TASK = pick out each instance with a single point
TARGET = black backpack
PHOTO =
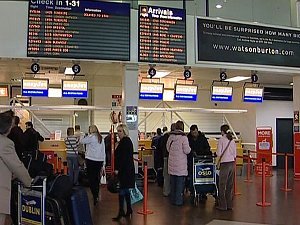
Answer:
(59, 186)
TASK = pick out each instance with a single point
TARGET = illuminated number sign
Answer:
(185, 92)
(221, 93)
(81, 29)
(74, 89)
(35, 87)
(162, 35)
(252, 94)
(151, 91)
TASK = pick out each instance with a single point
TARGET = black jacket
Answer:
(31, 139)
(17, 136)
(200, 146)
(124, 163)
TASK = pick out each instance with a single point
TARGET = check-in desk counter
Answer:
(239, 150)
(51, 147)
(147, 145)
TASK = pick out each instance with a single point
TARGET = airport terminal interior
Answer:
(151, 63)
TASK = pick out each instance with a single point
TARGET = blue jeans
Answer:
(73, 167)
(177, 188)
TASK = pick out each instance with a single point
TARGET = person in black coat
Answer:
(16, 135)
(31, 138)
(124, 169)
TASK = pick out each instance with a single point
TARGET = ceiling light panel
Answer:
(237, 79)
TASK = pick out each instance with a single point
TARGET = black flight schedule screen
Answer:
(162, 35)
(79, 29)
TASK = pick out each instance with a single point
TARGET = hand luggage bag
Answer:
(56, 212)
(79, 207)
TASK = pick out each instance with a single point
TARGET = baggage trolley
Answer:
(204, 177)
(31, 204)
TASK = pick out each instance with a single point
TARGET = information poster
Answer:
(235, 42)
(81, 29)
(132, 117)
(162, 35)
(264, 146)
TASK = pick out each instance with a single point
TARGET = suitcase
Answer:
(56, 212)
(79, 207)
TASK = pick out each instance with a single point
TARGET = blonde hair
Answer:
(94, 130)
(124, 128)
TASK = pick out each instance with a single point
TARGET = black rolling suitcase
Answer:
(79, 207)
(56, 212)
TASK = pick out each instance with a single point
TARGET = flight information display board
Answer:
(80, 29)
(162, 35)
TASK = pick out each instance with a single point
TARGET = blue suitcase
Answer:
(79, 207)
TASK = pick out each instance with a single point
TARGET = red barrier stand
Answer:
(286, 175)
(235, 182)
(145, 211)
(248, 180)
(263, 202)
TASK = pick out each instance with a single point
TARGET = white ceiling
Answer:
(96, 72)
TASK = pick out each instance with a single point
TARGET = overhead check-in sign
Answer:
(151, 91)
(74, 89)
(185, 92)
(252, 94)
(244, 43)
(221, 93)
(35, 87)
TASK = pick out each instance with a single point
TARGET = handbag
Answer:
(219, 161)
(113, 184)
(135, 195)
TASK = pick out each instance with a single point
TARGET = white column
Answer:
(130, 100)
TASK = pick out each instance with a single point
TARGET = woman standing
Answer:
(9, 164)
(95, 159)
(124, 169)
(178, 148)
(227, 153)
(72, 155)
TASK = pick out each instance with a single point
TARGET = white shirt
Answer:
(94, 150)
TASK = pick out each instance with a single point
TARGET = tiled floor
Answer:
(284, 209)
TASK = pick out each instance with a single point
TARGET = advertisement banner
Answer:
(264, 146)
(234, 42)
(297, 154)
(204, 173)
(31, 209)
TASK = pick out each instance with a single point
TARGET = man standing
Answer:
(199, 146)
(31, 138)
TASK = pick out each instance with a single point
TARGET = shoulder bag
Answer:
(219, 161)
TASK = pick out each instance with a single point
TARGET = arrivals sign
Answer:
(162, 35)
(233, 42)
(35, 87)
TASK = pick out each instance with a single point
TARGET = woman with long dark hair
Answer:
(94, 158)
(124, 169)
(227, 153)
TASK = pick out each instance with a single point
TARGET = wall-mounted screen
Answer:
(221, 93)
(253, 94)
(81, 29)
(35, 87)
(185, 92)
(74, 89)
(151, 91)
(3, 91)
(162, 35)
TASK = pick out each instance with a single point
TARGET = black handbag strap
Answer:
(72, 146)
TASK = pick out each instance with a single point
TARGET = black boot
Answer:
(121, 210)
(128, 203)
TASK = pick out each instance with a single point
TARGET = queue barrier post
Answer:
(235, 181)
(263, 202)
(248, 180)
(285, 188)
(145, 210)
